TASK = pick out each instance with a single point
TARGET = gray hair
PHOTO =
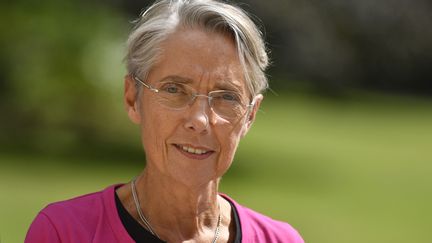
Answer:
(165, 16)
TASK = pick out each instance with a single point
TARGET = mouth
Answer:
(194, 152)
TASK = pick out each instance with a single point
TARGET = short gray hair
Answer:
(165, 16)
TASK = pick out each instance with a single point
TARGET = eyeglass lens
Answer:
(227, 104)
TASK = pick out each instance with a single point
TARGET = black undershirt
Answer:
(140, 235)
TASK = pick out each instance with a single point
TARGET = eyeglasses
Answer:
(226, 104)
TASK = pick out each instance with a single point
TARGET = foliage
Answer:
(332, 45)
(61, 73)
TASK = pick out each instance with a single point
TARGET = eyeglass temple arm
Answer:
(250, 107)
(144, 84)
(252, 104)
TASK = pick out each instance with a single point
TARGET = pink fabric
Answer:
(94, 218)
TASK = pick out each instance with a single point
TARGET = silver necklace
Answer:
(147, 224)
(138, 208)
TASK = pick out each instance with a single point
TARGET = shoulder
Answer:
(267, 228)
(79, 218)
(257, 227)
(84, 208)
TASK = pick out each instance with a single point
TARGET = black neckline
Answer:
(140, 234)
(134, 229)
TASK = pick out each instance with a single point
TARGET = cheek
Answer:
(227, 154)
(229, 146)
(156, 127)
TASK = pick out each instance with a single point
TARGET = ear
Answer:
(130, 99)
(252, 114)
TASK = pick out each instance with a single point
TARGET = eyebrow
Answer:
(219, 86)
(230, 86)
(177, 79)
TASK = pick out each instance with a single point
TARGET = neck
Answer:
(176, 211)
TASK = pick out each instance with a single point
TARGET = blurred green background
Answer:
(341, 148)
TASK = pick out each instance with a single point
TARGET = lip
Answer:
(191, 155)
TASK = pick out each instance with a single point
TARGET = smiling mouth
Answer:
(196, 153)
(193, 150)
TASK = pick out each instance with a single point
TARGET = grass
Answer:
(354, 170)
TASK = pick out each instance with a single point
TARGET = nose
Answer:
(197, 118)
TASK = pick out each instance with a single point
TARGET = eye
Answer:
(228, 96)
(172, 88)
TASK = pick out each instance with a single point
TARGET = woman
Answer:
(194, 87)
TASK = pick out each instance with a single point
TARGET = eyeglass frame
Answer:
(194, 95)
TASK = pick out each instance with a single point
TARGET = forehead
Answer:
(200, 57)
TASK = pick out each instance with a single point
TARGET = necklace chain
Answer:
(147, 224)
(138, 208)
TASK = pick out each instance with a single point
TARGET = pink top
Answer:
(94, 218)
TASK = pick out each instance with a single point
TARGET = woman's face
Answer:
(192, 145)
